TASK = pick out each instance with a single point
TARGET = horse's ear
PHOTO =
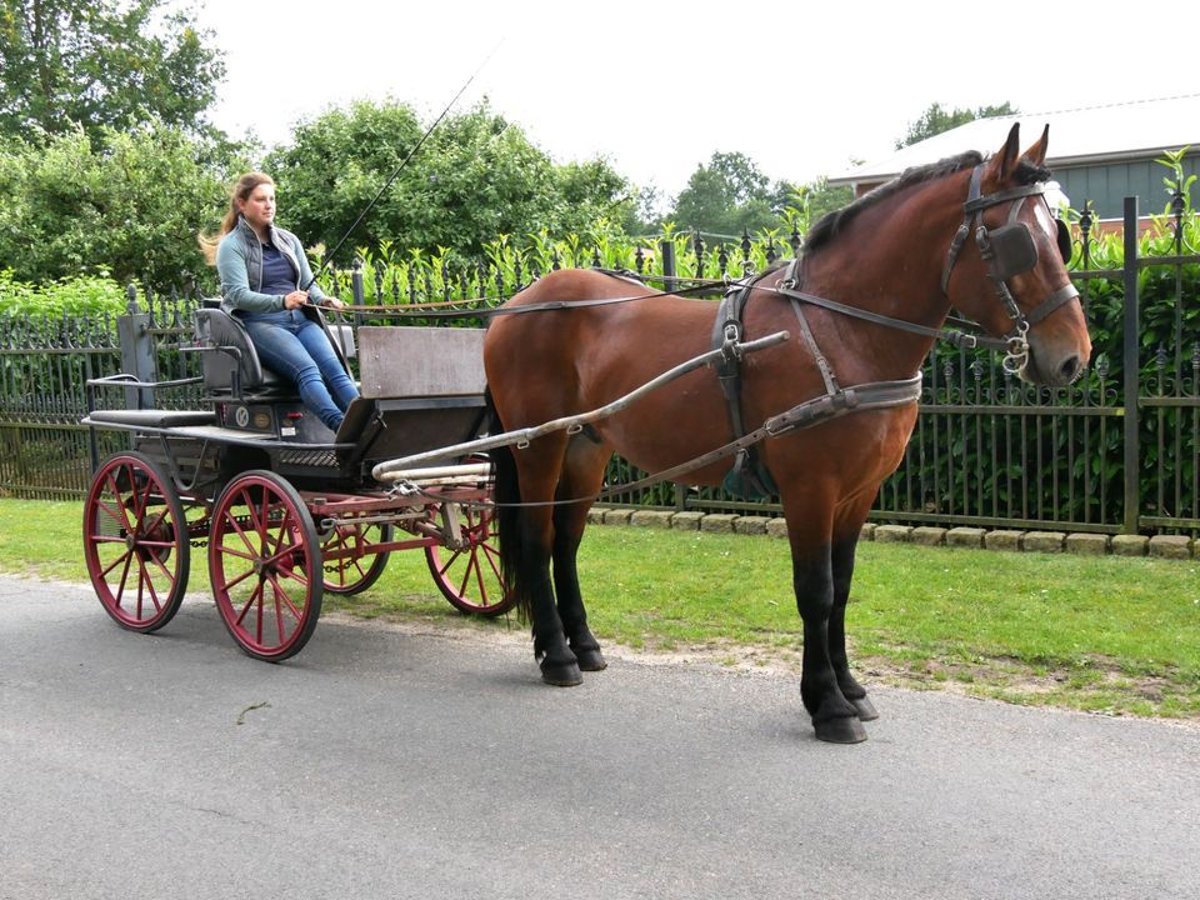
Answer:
(1037, 153)
(1004, 163)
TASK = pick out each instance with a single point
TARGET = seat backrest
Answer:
(215, 328)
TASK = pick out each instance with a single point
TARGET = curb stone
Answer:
(1167, 546)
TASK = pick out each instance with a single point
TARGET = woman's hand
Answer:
(332, 303)
(295, 300)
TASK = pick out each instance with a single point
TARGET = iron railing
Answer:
(1119, 451)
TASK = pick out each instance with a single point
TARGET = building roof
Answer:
(1094, 134)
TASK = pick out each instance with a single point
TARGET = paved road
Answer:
(384, 763)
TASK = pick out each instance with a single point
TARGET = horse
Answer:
(862, 305)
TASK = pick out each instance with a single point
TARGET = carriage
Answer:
(287, 510)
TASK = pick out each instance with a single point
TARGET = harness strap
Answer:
(748, 475)
(957, 338)
(861, 397)
(1064, 294)
(831, 384)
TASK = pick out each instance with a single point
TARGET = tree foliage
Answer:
(729, 195)
(476, 177)
(129, 202)
(935, 120)
(103, 63)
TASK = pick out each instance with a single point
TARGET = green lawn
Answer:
(1107, 634)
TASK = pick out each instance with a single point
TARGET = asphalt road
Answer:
(392, 764)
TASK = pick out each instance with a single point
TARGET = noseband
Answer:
(1008, 251)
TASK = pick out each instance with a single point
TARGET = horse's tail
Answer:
(507, 496)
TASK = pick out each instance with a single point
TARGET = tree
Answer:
(475, 178)
(935, 120)
(114, 63)
(129, 203)
(728, 196)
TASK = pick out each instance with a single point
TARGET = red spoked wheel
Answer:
(135, 542)
(264, 562)
(358, 567)
(470, 577)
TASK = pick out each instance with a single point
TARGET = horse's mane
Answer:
(831, 224)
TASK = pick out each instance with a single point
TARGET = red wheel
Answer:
(361, 566)
(135, 542)
(265, 565)
(470, 576)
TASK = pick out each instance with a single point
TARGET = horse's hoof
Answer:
(591, 660)
(866, 709)
(841, 731)
(562, 674)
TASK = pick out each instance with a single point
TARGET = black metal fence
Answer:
(1119, 451)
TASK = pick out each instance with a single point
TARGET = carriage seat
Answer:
(230, 351)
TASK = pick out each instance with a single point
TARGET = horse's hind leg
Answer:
(540, 466)
(583, 475)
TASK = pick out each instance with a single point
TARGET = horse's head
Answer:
(1006, 267)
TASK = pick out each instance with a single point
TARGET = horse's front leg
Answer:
(843, 573)
(834, 717)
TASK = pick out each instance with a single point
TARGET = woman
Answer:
(267, 283)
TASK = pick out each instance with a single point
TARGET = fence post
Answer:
(668, 259)
(137, 352)
(667, 248)
(1132, 367)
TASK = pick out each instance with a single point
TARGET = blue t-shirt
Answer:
(278, 276)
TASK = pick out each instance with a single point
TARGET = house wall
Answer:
(1107, 186)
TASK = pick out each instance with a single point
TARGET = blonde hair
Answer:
(241, 191)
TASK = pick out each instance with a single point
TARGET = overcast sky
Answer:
(656, 88)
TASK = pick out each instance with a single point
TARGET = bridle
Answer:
(1009, 251)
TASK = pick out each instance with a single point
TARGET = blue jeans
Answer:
(292, 345)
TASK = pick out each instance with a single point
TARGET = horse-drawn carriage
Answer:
(287, 509)
(844, 331)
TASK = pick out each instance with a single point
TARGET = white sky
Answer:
(656, 88)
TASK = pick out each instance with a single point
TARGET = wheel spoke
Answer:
(144, 577)
(450, 562)
(257, 592)
(237, 527)
(124, 557)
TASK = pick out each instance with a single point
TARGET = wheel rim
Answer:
(470, 577)
(264, 564)
(361, 568)
(135, 542)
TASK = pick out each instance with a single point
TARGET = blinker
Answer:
(1064, 240)
(1013, 251)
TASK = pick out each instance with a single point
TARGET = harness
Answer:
(1008, 251)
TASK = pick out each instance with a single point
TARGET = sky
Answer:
(803, 89)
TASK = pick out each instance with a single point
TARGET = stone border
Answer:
(1081, 544)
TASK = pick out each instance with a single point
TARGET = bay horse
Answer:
(862, 305)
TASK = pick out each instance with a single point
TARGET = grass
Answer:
(1105, 634)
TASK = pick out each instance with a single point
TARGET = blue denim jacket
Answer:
(239, 266)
